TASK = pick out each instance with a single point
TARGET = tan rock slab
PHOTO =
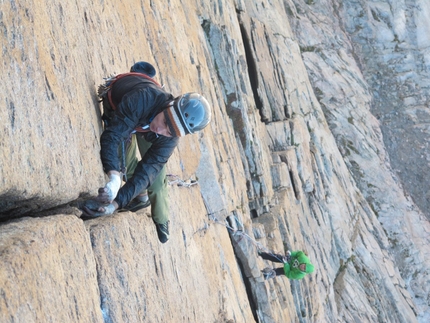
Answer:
(47, 271)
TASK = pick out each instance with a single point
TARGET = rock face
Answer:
(48, 272)
(314, 104)
(391, 40)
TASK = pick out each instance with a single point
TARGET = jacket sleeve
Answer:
(147, 169)
(293, 273)
(296, 254)
(302, 258)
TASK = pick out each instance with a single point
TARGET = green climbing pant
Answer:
(157, 192)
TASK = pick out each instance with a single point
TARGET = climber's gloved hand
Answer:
(108, 193)
(93, 209)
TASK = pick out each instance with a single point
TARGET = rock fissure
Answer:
(104, 305)
(239, 257)
(252, 70)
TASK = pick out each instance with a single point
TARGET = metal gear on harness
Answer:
(104, 88)
(179, 182)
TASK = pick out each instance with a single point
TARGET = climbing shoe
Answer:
(162, 231)
(268, 273)
(136, 205)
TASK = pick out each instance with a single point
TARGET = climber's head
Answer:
(189, 113)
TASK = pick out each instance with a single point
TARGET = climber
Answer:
(138, 111)
(296, 265)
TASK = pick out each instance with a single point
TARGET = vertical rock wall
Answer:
(342, 70)
(293, 159)
(48, 272)
(391, 39)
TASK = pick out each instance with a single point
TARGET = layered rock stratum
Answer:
(319, 142)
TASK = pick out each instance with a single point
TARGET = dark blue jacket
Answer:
(137, 101)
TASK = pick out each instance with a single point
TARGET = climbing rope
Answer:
(237, 231)
(175, 179)
(234, 231)
(241, 233)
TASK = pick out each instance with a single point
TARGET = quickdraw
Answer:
(179, 182)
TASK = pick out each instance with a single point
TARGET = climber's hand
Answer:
(93, 209)
(108, 193)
